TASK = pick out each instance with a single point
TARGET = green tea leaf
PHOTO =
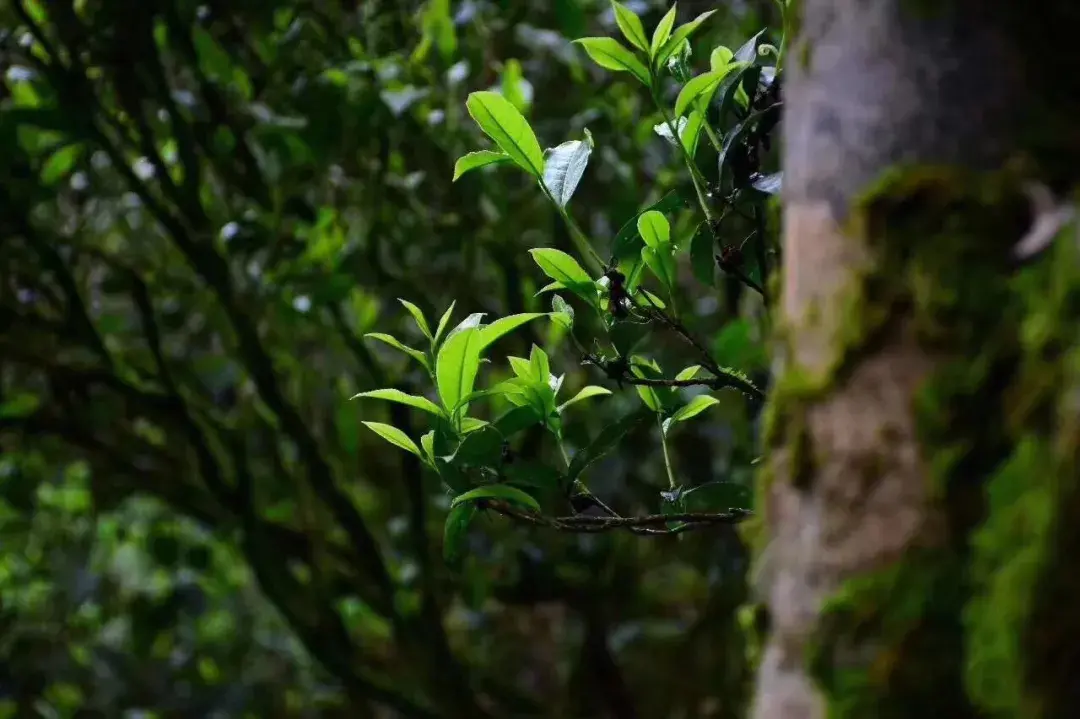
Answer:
(656, 301)
(564, 167)
(560, 267)
(630, 25)
(456, 366)
(504, 326)
(691, 131)
(515, 420)
(654, 229)
(456, 530)
(396, 395)
(538, 361)
(720, 57)
(717, 497)
(747, 52)
(562, 313)
(472, 321)
(394, 436)
(681, 34)
(702, 260)
(701, 87)
(478, 159)
(689, 373)
(397, 344)
(609, 53)
(662, 33)
(584, 393)
(606, 441)
(504, 124)
(472, 424)
(626, 243)
(418, 316)
(443, 322)
(662, 263)
(649, 397)
(503, 492)
(522, 369)
(694, 407)
(427, 442)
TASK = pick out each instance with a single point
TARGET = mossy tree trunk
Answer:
(920, 553)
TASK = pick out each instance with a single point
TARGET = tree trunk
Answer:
(921, 543)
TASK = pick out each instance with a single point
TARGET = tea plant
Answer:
(733, 107)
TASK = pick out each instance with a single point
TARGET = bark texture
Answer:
(921, 505)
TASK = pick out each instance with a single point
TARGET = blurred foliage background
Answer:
(203, 208)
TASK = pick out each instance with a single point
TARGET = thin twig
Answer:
(646, 524)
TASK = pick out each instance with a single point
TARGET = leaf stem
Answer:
(667, 455)
(580, 239)
(695, 174)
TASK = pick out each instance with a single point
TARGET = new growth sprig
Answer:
(735, 104)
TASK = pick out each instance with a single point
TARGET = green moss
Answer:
(891, 644)
(886, 642)
(1021, 621)
(1002, 462)
(1009, 555)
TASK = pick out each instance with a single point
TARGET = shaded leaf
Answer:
(606, 441)
(769, 184)
(702, 260)
(747, 52)
(515, 420)
(717, 497)
(455, 531)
